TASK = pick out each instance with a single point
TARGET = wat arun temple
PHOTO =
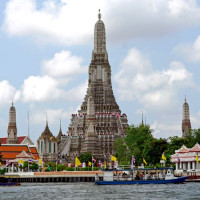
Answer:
(99, 122)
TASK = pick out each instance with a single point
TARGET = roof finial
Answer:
(142, 119)
(185, 99)
(60, 124)
(46, 120)
(99, 15)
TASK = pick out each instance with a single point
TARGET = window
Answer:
(49, 146)
(41, 144)
(54, 147)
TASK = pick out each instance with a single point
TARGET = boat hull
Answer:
(10, 184)
(176, 180)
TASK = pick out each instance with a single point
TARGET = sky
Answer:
(46, 48)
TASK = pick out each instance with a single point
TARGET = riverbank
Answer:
(63, 176)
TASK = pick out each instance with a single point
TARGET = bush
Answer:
(70, 169)
(61, 167)
(86, 169)
(2, 171)
(95, 169)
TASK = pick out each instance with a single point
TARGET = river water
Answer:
(79, 191)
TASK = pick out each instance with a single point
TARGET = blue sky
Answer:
(45, 51)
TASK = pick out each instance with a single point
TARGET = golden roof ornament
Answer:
(99, 15)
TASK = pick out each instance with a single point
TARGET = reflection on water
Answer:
(90, 191)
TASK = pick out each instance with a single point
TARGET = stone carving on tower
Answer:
(12, 127)
(99, 121)
(186, 124)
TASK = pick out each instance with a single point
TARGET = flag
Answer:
(144, 161)
(20, 162)
(40, 161)
(7, 162)
(133, 161)
(93, 159)
(113, 158)
(105, 166)
(163, 157)
(179, 160)
(30, 161)
(90, 163)
(197, 159)
(100, 163)
(56, 161)
(77, 162)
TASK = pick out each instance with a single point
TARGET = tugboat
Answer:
(8, 182)
(139, 176)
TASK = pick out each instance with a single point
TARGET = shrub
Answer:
(61, 167)
(2, 171)
(70, 169)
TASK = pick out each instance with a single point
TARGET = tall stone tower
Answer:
(99, 122)
(12, 127)
(186, 125)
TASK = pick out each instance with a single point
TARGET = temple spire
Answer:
(99, 15)
(142, 119)
(12, 127)
(100, 37)
(186, 124)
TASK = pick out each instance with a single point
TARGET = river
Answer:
(83, 191)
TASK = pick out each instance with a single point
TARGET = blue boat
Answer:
(8, 182)
(152, 176)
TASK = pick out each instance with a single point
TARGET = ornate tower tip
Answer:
(99, 15)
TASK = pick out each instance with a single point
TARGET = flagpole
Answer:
(92, 163)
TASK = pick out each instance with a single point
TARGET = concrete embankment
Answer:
(64, 176)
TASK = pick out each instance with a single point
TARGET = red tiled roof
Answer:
(196, 148)
(14, 148)
(10, 155)
(33, 150)
(20, 139)
(183, 149)
(11, 151)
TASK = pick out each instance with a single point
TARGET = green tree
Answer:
(33, 166)
(85, 157)
(122, 152)
(138, 137)
(153, 150)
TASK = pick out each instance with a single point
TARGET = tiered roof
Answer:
(12, 151)
(183, 149)
(20, 139)
(46, 134)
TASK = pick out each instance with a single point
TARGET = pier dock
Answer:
(64, 176)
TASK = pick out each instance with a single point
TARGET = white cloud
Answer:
(138, 80)
(36, 88)
(71, 22)
(190, 51)
(8, 93)
(166, 130)
(52, 85)
(63, 64)
(53, 116)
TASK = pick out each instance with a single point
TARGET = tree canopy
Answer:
(140, 142)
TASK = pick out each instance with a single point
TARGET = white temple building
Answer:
(187, 159)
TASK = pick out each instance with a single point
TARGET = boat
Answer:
(139, 176)
(8, 182)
